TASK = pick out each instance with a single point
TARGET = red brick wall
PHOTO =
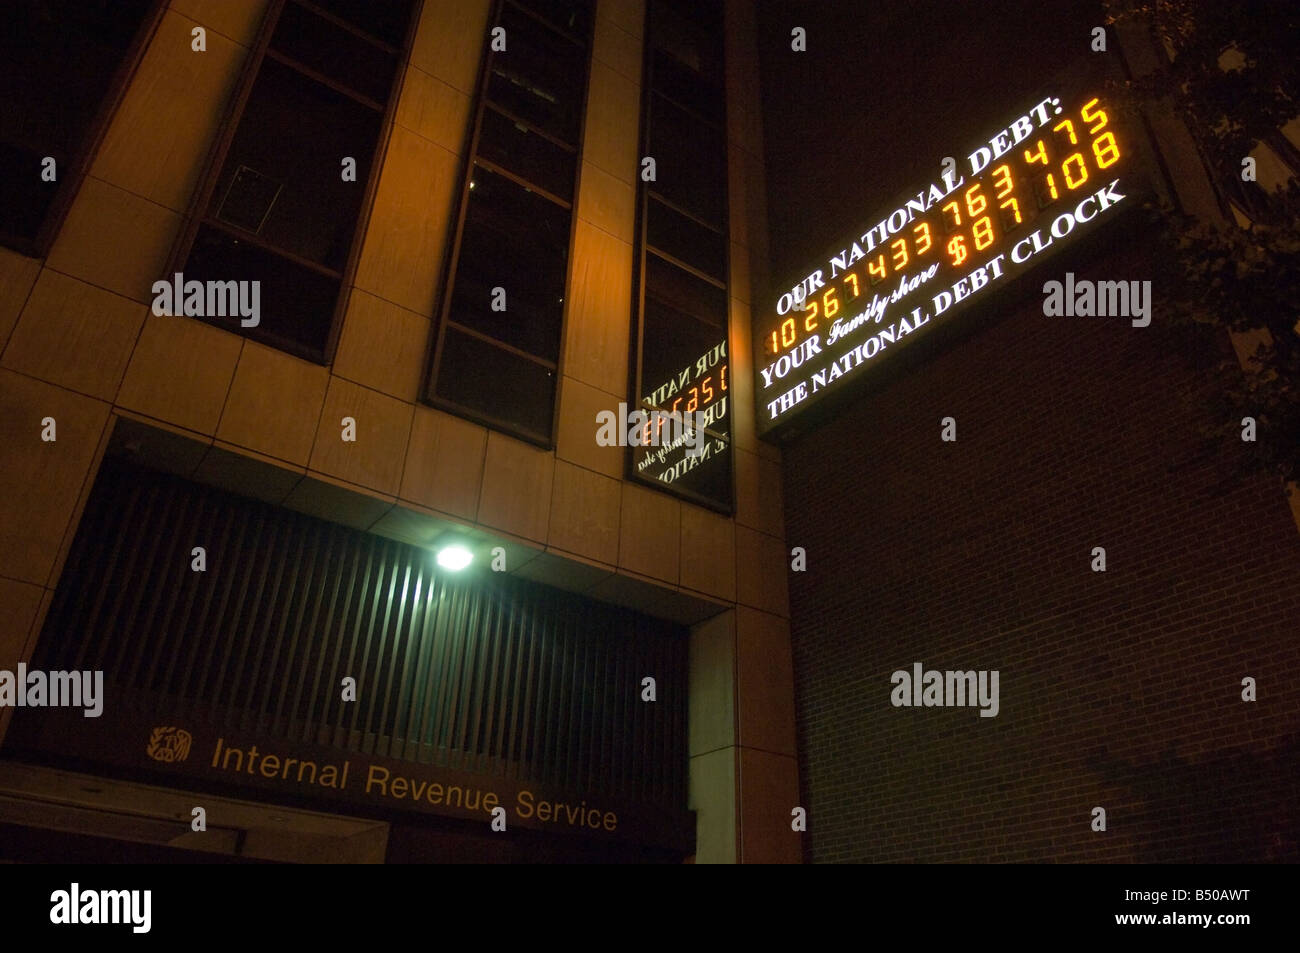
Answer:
(1118, 689)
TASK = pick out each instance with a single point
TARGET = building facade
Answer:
(430, 254)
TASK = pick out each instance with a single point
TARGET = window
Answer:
(281, 207)
(65, 65)
(680, 328)
(496, 358)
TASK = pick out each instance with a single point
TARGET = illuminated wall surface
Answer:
(305, 293)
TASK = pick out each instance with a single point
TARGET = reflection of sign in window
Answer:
(698, 395)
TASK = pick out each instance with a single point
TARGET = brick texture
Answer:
(1118, 689)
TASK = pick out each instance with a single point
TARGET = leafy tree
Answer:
(1233, 79)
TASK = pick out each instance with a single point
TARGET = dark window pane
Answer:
(59, 59)
(685, 86)
(685, 239)
(383, 19)
(516, 240)
(485, 379)
(512, 146)
(673, 343)
(689, 156)
(283, 167)
(296, 303)
(333, 51)
(540, 76)
(571, 16)
(684, 292)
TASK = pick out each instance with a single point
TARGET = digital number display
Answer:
(1047, 174)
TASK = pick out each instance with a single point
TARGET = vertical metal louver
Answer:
(485, 673)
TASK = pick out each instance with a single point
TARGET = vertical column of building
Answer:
(75, 326)
(592, 517)
(744, 776)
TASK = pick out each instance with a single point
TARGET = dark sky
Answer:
(883, 93)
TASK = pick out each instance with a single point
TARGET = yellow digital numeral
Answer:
(1015, 208)
(830, 305)
(1051, 186)
(957, 248)
(772, 348)
(956, 212)
(924, 229)
(853, 278)
(1037, 155)
(977, 204)
(1083, 171)
(1112, 147)
(1002, 179)
(1098, 114)
(788, 325)
(876, 270)
(810, 322)
(900, 255)
(983, 241)
(1069, 130)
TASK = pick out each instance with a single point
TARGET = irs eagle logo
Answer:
(169, 744)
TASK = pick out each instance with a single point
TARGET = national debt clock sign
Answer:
(1059, 166)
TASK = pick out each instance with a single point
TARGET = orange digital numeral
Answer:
(694, 401)
(1098, 115)
(853, 278)
(1111, 147)
(978, 203)
(722, 375)
(1069, 130)
(1037, 155)
(956, 213)
(876, 270)
(957, 248)
(810, 322)
(983, 241)
(772, 348)
(706, 389)
(830, 305)
(924, 229)
(1083, 171)
(900, 255)
(1002, 179)
(1015, 209)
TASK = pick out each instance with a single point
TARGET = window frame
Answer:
(642, 249)
(197, 211)
(451, 259)
(83, 157)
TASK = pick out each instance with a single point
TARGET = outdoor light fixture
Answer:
(454, 557)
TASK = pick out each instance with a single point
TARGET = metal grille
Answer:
(483, 673)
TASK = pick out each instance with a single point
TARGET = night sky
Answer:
(883, 93)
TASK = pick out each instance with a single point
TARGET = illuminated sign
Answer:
(1053, 171)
